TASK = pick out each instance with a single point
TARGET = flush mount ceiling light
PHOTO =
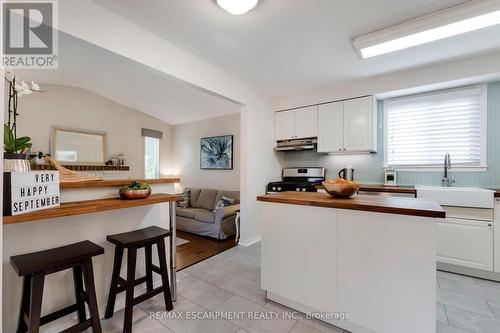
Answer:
(471, 16)
(237, 7)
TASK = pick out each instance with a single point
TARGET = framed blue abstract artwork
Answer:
(216, 153)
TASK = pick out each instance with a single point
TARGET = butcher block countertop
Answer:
(384, 188)
(497, 192)
(401, 189)
(388, 189)
(368, 203)
(90, 206)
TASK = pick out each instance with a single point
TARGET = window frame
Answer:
(483, 164)
(144, 138)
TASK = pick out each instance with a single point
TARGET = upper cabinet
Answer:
(296, 124)
(330, 127)
(306, 125)
(284, 123)
(348, 126)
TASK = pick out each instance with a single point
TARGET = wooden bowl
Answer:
(135, 194)
(344, 191)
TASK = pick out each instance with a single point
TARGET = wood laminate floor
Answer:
(199, 248)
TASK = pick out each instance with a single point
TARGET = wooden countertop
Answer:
(369, 203)
(89, 206)
(388, 189)
(383, 188)
(118, 182)
(400, 189)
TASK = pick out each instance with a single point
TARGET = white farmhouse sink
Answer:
(458, 196)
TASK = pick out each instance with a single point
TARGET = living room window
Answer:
(421, 129)
(151, 153)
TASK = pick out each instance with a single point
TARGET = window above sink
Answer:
(421, 129)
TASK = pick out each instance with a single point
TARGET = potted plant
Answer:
(135, 190)
(16, 148)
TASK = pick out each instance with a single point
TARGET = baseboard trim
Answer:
(468, 271)
(249, 241)
(343, 324)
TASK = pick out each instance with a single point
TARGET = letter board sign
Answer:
(30, 191)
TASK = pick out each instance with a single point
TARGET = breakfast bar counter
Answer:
(366, 264)
(89, 210)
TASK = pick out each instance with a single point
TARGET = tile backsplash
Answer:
(368, 167)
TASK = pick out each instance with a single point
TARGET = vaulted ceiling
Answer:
(124, 81)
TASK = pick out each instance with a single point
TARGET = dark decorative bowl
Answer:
(135, 194)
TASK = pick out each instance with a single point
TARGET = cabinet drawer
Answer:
(481, 214)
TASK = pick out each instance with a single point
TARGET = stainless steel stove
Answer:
(298, 179)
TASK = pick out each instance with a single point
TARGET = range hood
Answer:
(297, 144)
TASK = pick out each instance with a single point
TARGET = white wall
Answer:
(186, 153)
(78, 108)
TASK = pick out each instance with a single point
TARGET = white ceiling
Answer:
(289, 46)
(129, 83)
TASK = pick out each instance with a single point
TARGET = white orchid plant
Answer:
(13, 144)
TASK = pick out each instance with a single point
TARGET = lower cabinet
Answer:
(467, 243)
(496, 232)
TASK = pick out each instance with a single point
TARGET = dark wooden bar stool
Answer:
(34, 266)
(132, 241)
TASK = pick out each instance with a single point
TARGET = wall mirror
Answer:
(70, 146)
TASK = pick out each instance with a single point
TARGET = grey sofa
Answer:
(200, 219)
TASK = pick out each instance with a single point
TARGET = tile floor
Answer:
(230, 281)
(467, 305)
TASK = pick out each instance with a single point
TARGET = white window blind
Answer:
(421, 129)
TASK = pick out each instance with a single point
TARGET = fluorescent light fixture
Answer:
(237, 7)
(454, 21)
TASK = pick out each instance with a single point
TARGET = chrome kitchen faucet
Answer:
(446, 181)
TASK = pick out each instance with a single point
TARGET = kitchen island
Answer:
(366, 264)
(89, 210)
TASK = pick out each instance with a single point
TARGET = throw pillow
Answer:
(224, 202)
(185, 200)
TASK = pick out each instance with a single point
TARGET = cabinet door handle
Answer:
(340, 149)
(490, 225)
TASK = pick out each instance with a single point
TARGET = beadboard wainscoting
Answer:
(368, 167)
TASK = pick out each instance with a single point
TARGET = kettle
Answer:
(347, 173)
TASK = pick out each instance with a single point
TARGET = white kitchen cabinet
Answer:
(360, 121)
(306, 122)
(282, 257)
(348, 126)
(330, 127)
(296, 124)
(496, 236)
(466, 243)
(284, 125)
